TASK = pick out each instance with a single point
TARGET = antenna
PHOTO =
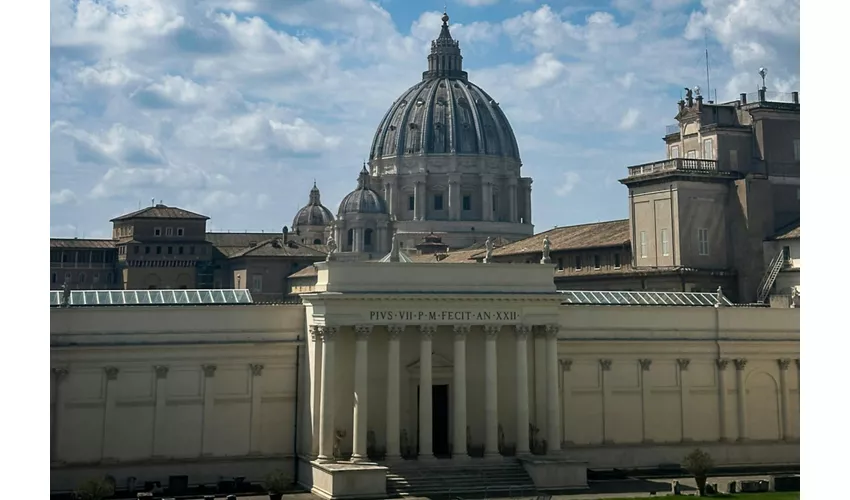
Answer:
(707, 67)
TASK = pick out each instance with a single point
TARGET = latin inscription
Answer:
(447, 316)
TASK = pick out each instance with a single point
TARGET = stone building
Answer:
(311, 223)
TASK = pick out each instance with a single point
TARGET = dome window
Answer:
(420, 102)
(412, 126)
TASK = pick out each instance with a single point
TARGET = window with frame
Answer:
(180, 250)
(708, 149)
(159, 250)
(692, 154)
(578, 262)
(53, 277)
(560, 264)
(170, 250)
(169, 231)
(643, 244)
(494, 202)
(665, 243)
(136, 249)
(95, 278)
(702, 241)
(674, 151)
(467, 202)
(438, 202)
(147, 250)
(82, 277)
(733, 159)
(256, 282)
(157, 231)
(616, 261)
(179, 231)
(411, 202)
(597, 262)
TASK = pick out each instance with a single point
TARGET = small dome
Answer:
(314, 214)
(363, 200)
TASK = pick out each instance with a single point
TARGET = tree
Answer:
(699, 463)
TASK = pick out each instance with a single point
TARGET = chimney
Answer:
(743, 98)
(285, 233)
(795, 97)
(699, 103)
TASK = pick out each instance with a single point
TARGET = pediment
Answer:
(438, 361)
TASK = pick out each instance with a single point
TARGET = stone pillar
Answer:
(255, 435)
(527, 214)
(455, 207)
(645, 395)
(522, 445)
(740, 366)
(684, 397)
(357, 240)
(59, 375)
(784, 397)
(111, 373)
(491, 394)
(486, 198)
(328, 399)
(512, 200)
(361, 386)
(553, 397)
(459, 451)
(161, 373)
(721, 398)
(390, 193)
(566, 393)
(316, 389)
(605, 366)
(425, 396)
(393, 392)
(209, 408)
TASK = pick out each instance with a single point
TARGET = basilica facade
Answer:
(444, 160)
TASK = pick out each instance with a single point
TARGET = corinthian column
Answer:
(459, 451)
(522, 446)
(361, 385)
(491, 403)
(426, 440)
(512, 200)
(553, 398)
(784, 397)
(326, 415)
(393, 409)
(721, 397)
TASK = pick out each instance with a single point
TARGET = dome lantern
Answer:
(445, 60)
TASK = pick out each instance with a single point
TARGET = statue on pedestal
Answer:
(331, 248)
(488, 245)
(394, 249)
(546, 246)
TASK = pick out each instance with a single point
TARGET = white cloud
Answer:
(62, 197)
(109, 73)
(119, 182)
(630, 119)
(478, 3)
(569, 181)
(119, 144)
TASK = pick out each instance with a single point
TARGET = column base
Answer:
(461, 457)
(321, 459)
(493, 456)
(358, 459)
(427, 458)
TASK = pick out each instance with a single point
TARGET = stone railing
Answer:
(672, 129)
(675, 165)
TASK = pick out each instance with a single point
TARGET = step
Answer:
(418, 478)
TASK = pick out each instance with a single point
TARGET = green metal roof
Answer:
(643, 298)
(151, 297)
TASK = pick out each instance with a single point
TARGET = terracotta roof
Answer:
(231, 243)
(160, 212)
(592, 235)
(789, 232)
(275, 247)
(307, 272)
(81, 243)
(463, 256)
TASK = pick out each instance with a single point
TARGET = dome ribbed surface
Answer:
(363, 200)
(314, 213)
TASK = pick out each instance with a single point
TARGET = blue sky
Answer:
(232, 107)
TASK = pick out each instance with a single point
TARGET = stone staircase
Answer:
(477, 478)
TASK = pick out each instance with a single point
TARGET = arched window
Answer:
(367, 238)
(317, 241)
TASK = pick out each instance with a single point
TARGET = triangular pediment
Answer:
(438, 361)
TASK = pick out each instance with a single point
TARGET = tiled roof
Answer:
(463, 256)
(231, 243)
(592, 235)
(275, 247)
(789, 232)
(81, 243)
(160, 212)
(307, 272)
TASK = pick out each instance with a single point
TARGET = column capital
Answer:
(111, 372)
(522, 331)
(161, 371)
(328, 333)
(362, 331)
(740, 364)
(605, 364)
(427, 331)
(209, 370)
(645, 364)
(59, 372)
(566, 364)
(783, 363)
(683, 363)
(256, 369)
(722, 363)
(315, 333)
(395, 331)
(551, 331)
(461, 331)
(492, 331)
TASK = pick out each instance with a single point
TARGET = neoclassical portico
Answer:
(394, 337)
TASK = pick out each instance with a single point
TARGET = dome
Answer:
(363, 200)
(444, 113)
(314, 214)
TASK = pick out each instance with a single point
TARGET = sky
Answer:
(232, 108)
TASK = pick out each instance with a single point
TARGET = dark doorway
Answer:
(439, 419)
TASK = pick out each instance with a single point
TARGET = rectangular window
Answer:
(180, 250)
(702, 241)
(256, 282)
(147, 250)
(438, 202)
(616, 261)
(796, 149)
(169, 231)
(708, 149)
(82, 277)
(560, 264)
(733, 159)
(179, 231)
(692, 153)
(95, 278)
(665, 243)
(643, 244)
(596, 261)
(157, 231)
(578, 262)
(467, 202)
(158, 250)
(786, 253)
(170, 250)
(674, 151)
(411, 202)
(53, 277)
